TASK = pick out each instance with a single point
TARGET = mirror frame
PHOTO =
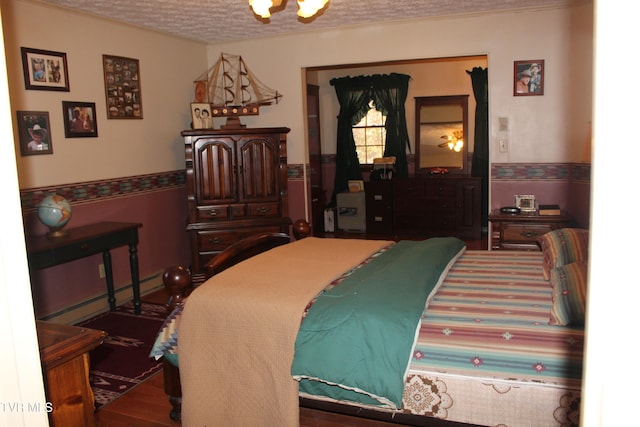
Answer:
(463, 101)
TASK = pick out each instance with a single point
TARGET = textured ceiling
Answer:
(214, 21)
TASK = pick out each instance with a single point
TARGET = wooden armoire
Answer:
(236, 187)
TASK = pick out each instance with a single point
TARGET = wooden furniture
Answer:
(236, 187)
(379, 204)
(435, 205)
(64, 353)
(80, 242)
(521, 231)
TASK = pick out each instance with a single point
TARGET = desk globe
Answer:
(54, 211)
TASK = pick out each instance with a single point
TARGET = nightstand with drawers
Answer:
(521, 231)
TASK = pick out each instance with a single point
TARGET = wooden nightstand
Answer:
(521, 231)
(64, 353)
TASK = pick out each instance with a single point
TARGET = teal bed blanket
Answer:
(355, 342)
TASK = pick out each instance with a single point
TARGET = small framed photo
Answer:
(79, 119)
(356, 186)
(122, 87)
(45, 70)
(528, 77)
(201, 116)
(34, 132)
(526, 202)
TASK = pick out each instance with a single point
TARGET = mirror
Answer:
(441, 133)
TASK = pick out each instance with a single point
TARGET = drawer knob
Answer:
(529, 234)
(263, 210)
(213, 212)
(215, 240)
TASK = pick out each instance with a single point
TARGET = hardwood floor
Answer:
(147, 405)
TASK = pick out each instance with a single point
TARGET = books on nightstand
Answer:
(549, 210)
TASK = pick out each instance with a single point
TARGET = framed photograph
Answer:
(122, 87)
(45, 70)
(34, 132)
(79, 119)
(528, 77)
(356, 186)
(201, 116)
(526, 202)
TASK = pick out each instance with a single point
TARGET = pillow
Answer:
(563, 246)
(569, 284)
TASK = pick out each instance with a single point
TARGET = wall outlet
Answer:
(503, 145)
(101, 271)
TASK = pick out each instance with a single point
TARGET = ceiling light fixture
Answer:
(454, 142)
(306, 8)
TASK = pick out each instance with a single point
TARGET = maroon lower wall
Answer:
(157, 202)
(565, 184)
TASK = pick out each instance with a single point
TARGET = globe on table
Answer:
(54, 211)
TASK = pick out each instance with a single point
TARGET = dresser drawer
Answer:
(217, 212)
(524, 232)
(263, 209)
(209, 241)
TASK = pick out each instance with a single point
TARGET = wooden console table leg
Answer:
(135, 276)
(108, 272)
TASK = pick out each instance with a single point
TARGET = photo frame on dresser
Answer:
(34, 132)
(201, 116)
(44, 69)
(528, 77)
(526, 202)
(123, 88)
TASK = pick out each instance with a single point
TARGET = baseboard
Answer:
(99, 304)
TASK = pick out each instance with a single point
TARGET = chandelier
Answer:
(454, 142)
(306, 8)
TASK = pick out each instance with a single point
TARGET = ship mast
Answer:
(233, 90)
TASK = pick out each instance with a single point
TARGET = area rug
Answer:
(122, 361)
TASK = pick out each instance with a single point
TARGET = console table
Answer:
(81, 242)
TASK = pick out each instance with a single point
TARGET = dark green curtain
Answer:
(354, 94)
(480, 161)
(389, 95)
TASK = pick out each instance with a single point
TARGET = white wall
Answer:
(549, 128)
(168, 66)
(20, 367)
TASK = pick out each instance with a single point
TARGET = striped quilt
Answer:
(485, 351)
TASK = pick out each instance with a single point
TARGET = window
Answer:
(369, 135)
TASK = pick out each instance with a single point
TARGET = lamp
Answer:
(306, 8)
(454, 142)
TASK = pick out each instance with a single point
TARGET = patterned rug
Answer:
(123, 361)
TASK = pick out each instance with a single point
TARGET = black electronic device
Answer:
(510, 210)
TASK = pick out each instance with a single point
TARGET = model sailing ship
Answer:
(233, 90)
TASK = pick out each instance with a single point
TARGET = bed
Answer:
(497, 343)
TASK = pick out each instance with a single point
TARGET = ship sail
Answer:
(230, 83)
